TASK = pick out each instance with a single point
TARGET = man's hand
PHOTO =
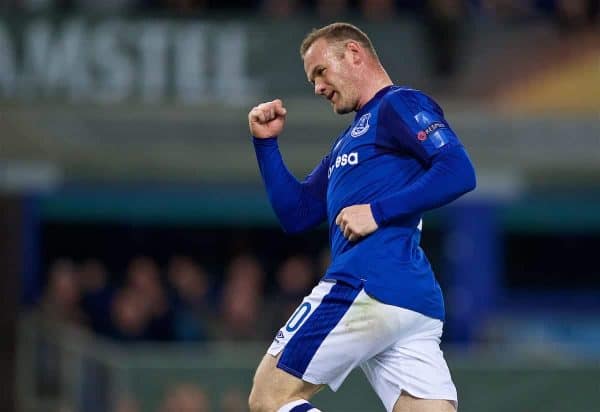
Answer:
(356, 221)
(267, 119)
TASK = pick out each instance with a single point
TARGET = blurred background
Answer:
(142, 268)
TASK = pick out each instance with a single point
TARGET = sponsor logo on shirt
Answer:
(343, 160)
(362, 126)
(423, 134)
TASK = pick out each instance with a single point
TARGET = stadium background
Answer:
(142, 268)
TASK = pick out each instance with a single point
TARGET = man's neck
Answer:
(372, 86)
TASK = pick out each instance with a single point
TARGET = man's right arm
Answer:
(298, 205)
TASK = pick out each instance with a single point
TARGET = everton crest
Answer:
(362, 126)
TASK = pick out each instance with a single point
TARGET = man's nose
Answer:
(319, 88)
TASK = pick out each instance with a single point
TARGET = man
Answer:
(378, 306)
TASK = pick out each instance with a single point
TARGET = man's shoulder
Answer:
(407, 99)
(404, 94)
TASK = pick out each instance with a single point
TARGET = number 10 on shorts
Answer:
(298, 317)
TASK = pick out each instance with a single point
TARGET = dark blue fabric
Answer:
(401, 156)
(301, 348)
(302, 408)
(450, 175)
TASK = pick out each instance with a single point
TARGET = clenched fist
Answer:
(267, 119)
(356, 221)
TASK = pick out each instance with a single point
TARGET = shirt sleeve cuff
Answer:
(268, 141)
(378, 213)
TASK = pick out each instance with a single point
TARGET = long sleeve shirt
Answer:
(401, 157)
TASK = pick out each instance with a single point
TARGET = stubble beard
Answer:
(342, 110)
(344, 107)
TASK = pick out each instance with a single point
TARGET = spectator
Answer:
(377, 9)
(242, 297)
(443, 29)
(104, 6)
(130, 316)
(506, 9)
(60, 303)
(576, 14)
(143, 277)
(177, 6)
(280, 8)
(186, 398)
(192, 307)
(294, 278)
(63, 293)
(329, 9)
(97, 294)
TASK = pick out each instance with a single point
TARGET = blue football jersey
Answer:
(401, 157)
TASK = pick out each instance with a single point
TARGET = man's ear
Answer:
(355, 51)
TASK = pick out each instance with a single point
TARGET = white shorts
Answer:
(337, 328)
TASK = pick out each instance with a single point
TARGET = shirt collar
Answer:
(374, 100)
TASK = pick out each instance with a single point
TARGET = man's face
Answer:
(329, 67)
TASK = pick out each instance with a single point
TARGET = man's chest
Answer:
(355, 146)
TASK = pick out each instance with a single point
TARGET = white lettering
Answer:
(54, 64)
(353, 158)
(153, 44)
(114, 68)
(230, 72)
(343, 160)
(190, 64)
(112, 60)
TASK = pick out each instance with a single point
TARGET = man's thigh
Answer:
(329, 335)
(414, 365)
(277, 387)
(408, 403)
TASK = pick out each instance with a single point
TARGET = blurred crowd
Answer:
(181, 301)
(571, 12)
(178, 301)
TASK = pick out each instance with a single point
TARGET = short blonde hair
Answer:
(338, 32)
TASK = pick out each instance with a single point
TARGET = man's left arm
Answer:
(451, 175)
(421, 131)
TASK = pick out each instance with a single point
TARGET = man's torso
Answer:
(364, 167)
